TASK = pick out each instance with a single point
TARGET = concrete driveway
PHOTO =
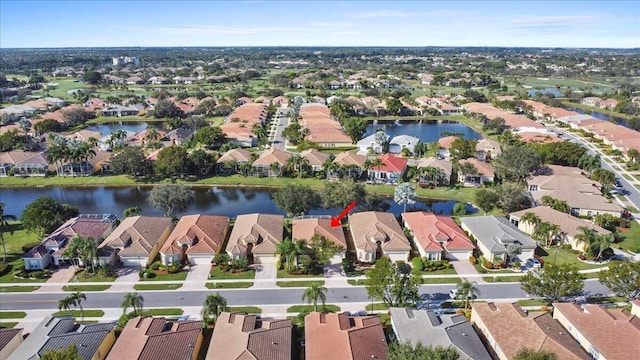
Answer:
(58, 279)
(197, 277)
(467, 271)
(266, 275)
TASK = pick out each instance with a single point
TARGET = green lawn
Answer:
(480, 269)
(565, 257)
(179, 276)
(13, 245)
(631, 238)
(87, 313)
(8, 325)
(12, 314)
(163, 312)
(83, 288)
(492, 279)
(156, 286)
(216, 273)
(283, 274)
(532, 302)
(450, 271)
(247, 309)
(607, 300)
(18, 288)
(82, 277)
(229, 285)
(300, 308)
(359, 282)
(298, 283)
(376, 306)
(441, 280)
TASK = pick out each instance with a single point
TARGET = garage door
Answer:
(459, 255)
(200, 260)
(134, 262)
(270, 259)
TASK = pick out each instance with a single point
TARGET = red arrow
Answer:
(336, 221)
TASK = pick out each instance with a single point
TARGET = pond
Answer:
(553, 91)
(599, 115)
(108, 128)
(427, 131)
(230, 201)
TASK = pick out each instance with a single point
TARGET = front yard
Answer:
(13, 244)
(631, 238)
(218, 274)
(562, 256)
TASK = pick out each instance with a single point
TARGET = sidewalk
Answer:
(467, 271)
(127, 278)
(196, 277)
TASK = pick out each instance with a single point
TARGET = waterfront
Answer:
(429, 131)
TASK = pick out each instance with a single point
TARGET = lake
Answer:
(599, 115)
(108, 128)
(427, 131)
(211, 200)
(552, 91)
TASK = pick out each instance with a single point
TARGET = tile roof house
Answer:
(400, 142)
(569, 224)
(580, 203)
(353, 164)
(485, 173)
(50, 249)
(93, 341)
(10, 339)
(238, 126)
(495, 234)
(136, 241)
(344, 337)
(603, 333)
(256, 237)
(235, 157)
(445, 165)
(23, 163)
(391, 171)
(369, 144)
(195, 239)
(316, 159)
(444, 144)
(238, 336)
(306, 228)
(263, 164)
(376, 234)
(323, 129)
(487, 149)
(148, 338)
(507, 329)
(438, 237)
(426, 327)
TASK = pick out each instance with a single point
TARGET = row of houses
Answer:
(496, 331)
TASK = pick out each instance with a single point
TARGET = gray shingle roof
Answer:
(496, 232)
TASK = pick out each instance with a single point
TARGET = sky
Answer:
(593, 24)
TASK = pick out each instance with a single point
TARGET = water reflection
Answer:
(426, 132)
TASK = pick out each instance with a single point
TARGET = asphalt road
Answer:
(283, 121)
(631, 192)
(257, 297)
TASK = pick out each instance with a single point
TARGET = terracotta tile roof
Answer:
(202, 233)
(484, 168)
(430, 229)
(568, 224)
(315, 157)
(322, 127)
(149, 338)
(614, 333)
(339, 336)
(369, 227)
(392, 163)
(445, 165)
(445, 142)
(537, 137)
(84, 135)
(579, 200)
(272, 155)
(511, 329)
(349, 158)
(237, 155)
(489, 145)
(305, 229)
(238, 336)
(136, 235)
(554, 177)
(18, 157)
(264, 231)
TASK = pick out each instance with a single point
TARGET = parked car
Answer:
(453, 294)
(534, 263)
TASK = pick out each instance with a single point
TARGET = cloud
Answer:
(550, 20)
(219, 30)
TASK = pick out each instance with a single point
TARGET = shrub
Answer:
(149, 274)
(156, 265)
(566, 246)
(30, 245)
(347, 266)
(517, 264)
(473, 260)
(418, 265)
(4, 268)
(37, 274)
(174, 268)
(488, 264)
(107, 270)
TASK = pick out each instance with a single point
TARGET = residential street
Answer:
(279, 123)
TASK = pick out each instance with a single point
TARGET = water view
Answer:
(108, 128)
(599, 115)
(427, 132)
(211, 200)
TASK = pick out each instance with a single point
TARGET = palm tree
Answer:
(546, 231)
(587, 236)
(65, 303)
(4, 225)
(287, 251)
(377, 163)
(74, 300)
(381, 138)
(314, 292)
(467, 291)
(213, 306)
(604, 243)
(532, 219)
(404, 194)
(134, 300)
(294, 163)
(589, 163)
(274, 168)
(89, 251)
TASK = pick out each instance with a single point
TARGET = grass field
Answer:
(163, 312)
(631, 238)
(298, 283)
(13, 243)
(216, 273)
(179, 276)
(493, 279)
(565, 257)
(441, 280)
(8, 325)
(83, 288)
(247, 309)
(283, 274)
(532, 302)
(229, 285)
(12, 314)
(78, 314)
(376, 306)
(157, 286)
(18, 288)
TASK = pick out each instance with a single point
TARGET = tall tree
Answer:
(623, 278)
(516, 162)
(467, 291)
(339, 194)
(213, 305)
(132, 211)
(355, 128)
(5, 226)
(404, 194)
(552, 282)
(130, 160)
(314, 292)
(172, 161)
(297, 199)
(133, 300)
(589, 163)
(45, 214)
(67, 353)
(165, 108)
(171, 198)
(546, 232)
(287, 252)
(74, 300)
(395, 284)
(486, 199)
